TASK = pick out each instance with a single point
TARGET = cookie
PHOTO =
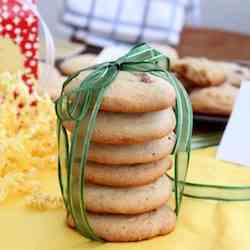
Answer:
(125, 128)
(73, 64)
(126, 175)
(128, 200)
(125, 228)
(130, 154)
(188, 85)
(166, 50)
(235, 73)
(200, 71)
(216, 100)
(50, 81)
(134, 93)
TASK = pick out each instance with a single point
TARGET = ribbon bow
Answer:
(86, 99)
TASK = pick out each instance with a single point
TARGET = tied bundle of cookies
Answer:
(119, 153)
(126, 188)
(213, 86)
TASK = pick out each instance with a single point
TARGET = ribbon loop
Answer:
(117, 65)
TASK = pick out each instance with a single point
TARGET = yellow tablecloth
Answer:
(205, 225)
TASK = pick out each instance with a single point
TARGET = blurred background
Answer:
(210, 38)
(229, 15)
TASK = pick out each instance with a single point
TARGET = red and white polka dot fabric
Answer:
(20, 24)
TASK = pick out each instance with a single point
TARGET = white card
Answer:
(112, 53)
(235, 143)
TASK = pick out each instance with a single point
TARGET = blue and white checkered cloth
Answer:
(105, 22)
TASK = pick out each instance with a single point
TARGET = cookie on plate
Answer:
(128, 200)
(125, 228)
(125, 128)
(126, 175)
(200, 71)
(134, 93)
(130, 154)
(216, 100)
(71, 65)
(235, 73)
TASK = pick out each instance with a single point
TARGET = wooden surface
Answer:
(214, 44)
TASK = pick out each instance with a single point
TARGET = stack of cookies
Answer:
(126, 186)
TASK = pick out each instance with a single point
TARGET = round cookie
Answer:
(216, 100)
(235, 73)
(130, 154)
(128, 200)
(125, 228)
(168, 51)
(134, 93)
(73, 64)
(125, 128)
(126, 175)
(200, 71)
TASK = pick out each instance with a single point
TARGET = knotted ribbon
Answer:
(86, 98)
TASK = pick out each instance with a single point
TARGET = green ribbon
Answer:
(230, 193)
(85, 99)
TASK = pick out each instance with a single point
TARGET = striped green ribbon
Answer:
(85, 99)
(197, 190)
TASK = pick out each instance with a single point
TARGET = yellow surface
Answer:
(202, 225)
(11, 58)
